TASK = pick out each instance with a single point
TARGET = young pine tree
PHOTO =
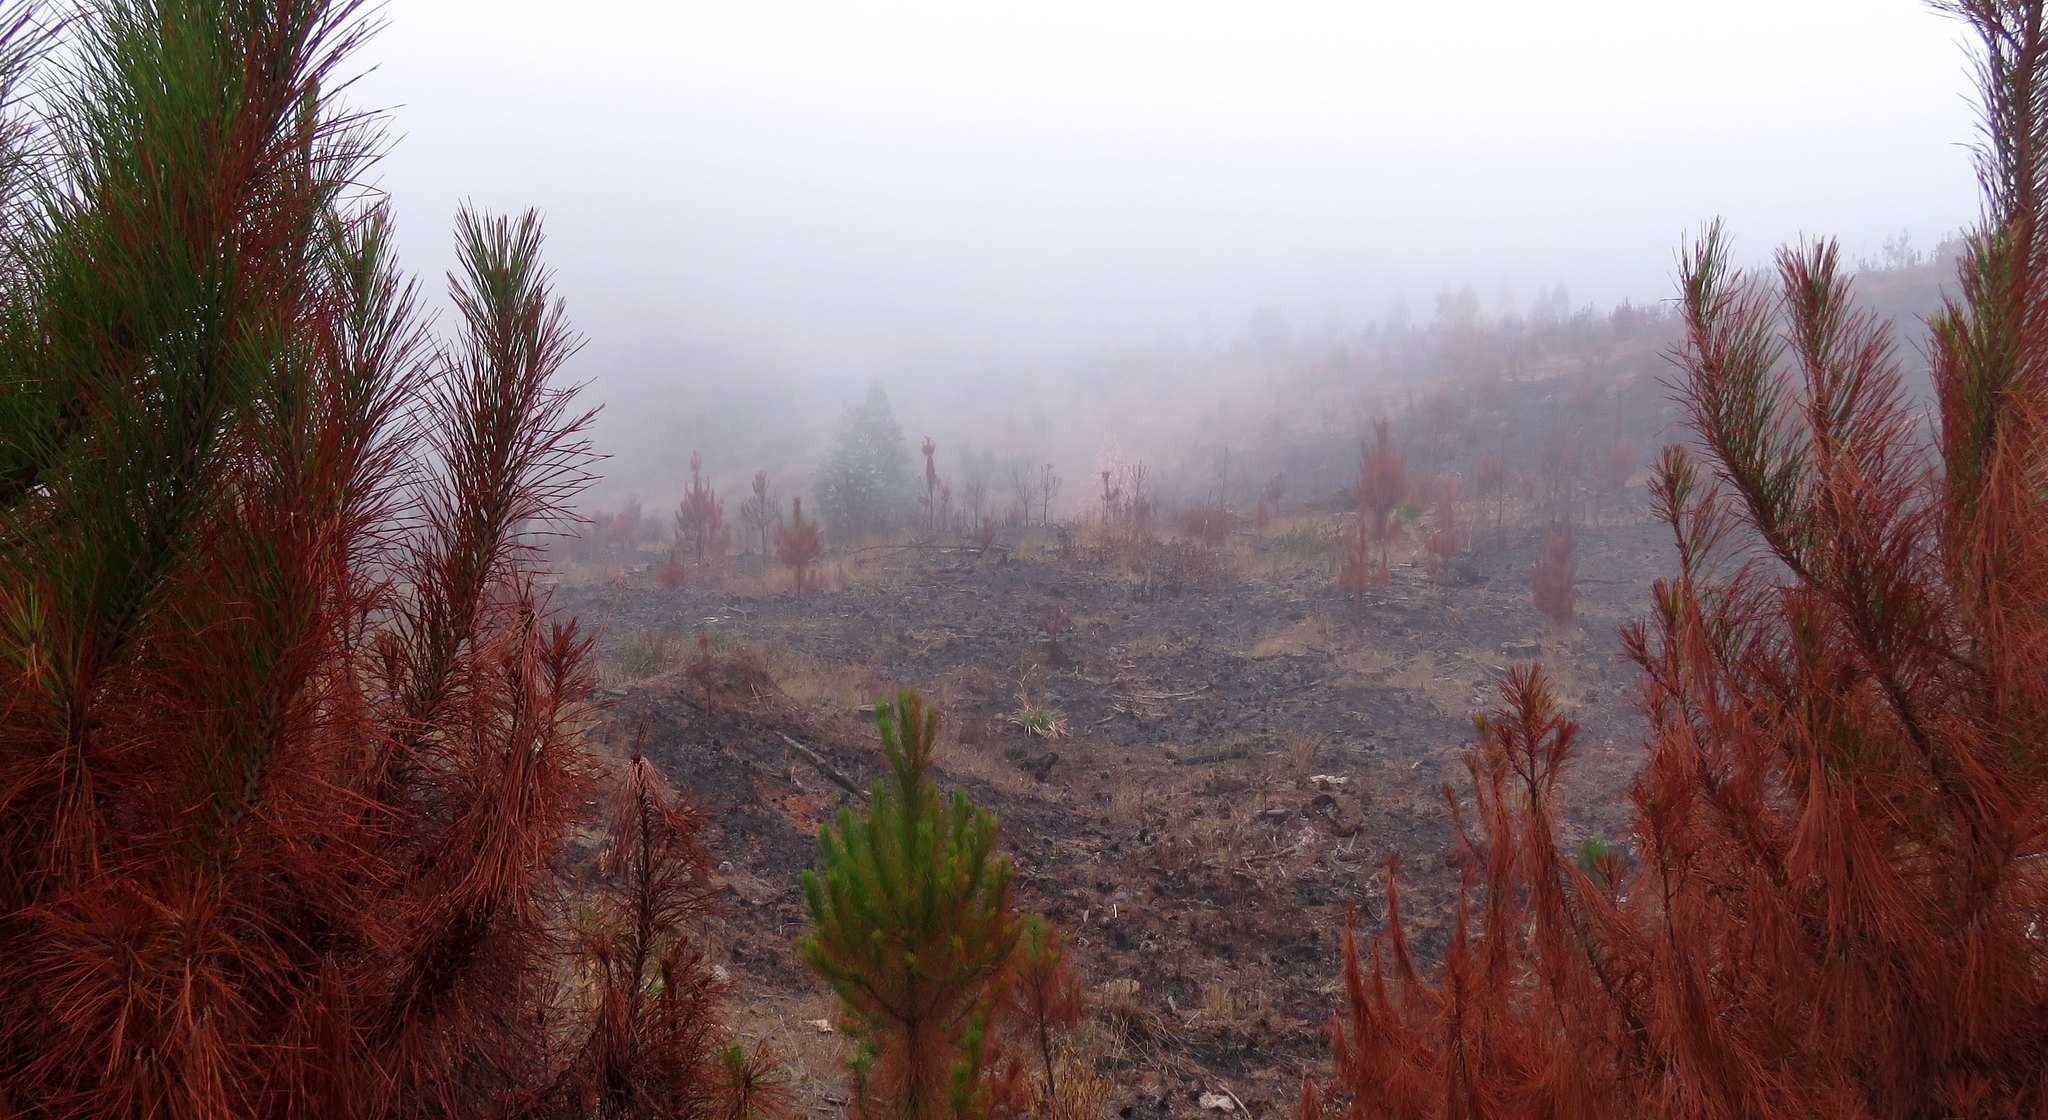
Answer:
(1836, 902)
(912, 928)
(623, 530)
(1045, 997)
(289, 742)
(1552, 575)
(647, 1047)
(1382, 484)
(796, 544)
(700, 516)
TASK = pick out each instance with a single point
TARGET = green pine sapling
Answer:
(912, 927)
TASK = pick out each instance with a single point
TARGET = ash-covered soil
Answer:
(1238, 760)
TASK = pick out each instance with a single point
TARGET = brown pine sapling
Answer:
(623, 531)
(292, 748)
(1358, 571)
(1502, 1018)
(700, 516)
(293, 753)
(1829, 900)
(1382, 484)
(752, 1083)
(796, 544)
(1045, 996)
(1552, 575)
(646, 1046)
(1055, 624)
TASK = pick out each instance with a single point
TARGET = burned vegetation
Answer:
(1447, 761)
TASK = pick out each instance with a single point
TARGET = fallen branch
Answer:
(1231, 755)
(974, 549)
(1188, 695)
(824, 767)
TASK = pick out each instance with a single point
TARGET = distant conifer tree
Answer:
(865, 486)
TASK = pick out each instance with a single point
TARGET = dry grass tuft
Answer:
(1416, 674)
(1084, 1091)
(645, 654)
(1038, 720)
(809, 679)
(1301, 753)
(1131, 1023)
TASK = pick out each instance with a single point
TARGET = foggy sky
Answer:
(840, 185)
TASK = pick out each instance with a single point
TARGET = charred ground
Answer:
(1237, 759)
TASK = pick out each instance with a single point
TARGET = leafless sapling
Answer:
(758, 511)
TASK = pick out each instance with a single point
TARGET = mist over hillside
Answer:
(1277, 396)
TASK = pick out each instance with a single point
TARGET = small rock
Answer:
(824, 1025)
(1346, 818)
(1217, 1101)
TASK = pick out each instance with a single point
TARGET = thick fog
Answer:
(786, 201)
